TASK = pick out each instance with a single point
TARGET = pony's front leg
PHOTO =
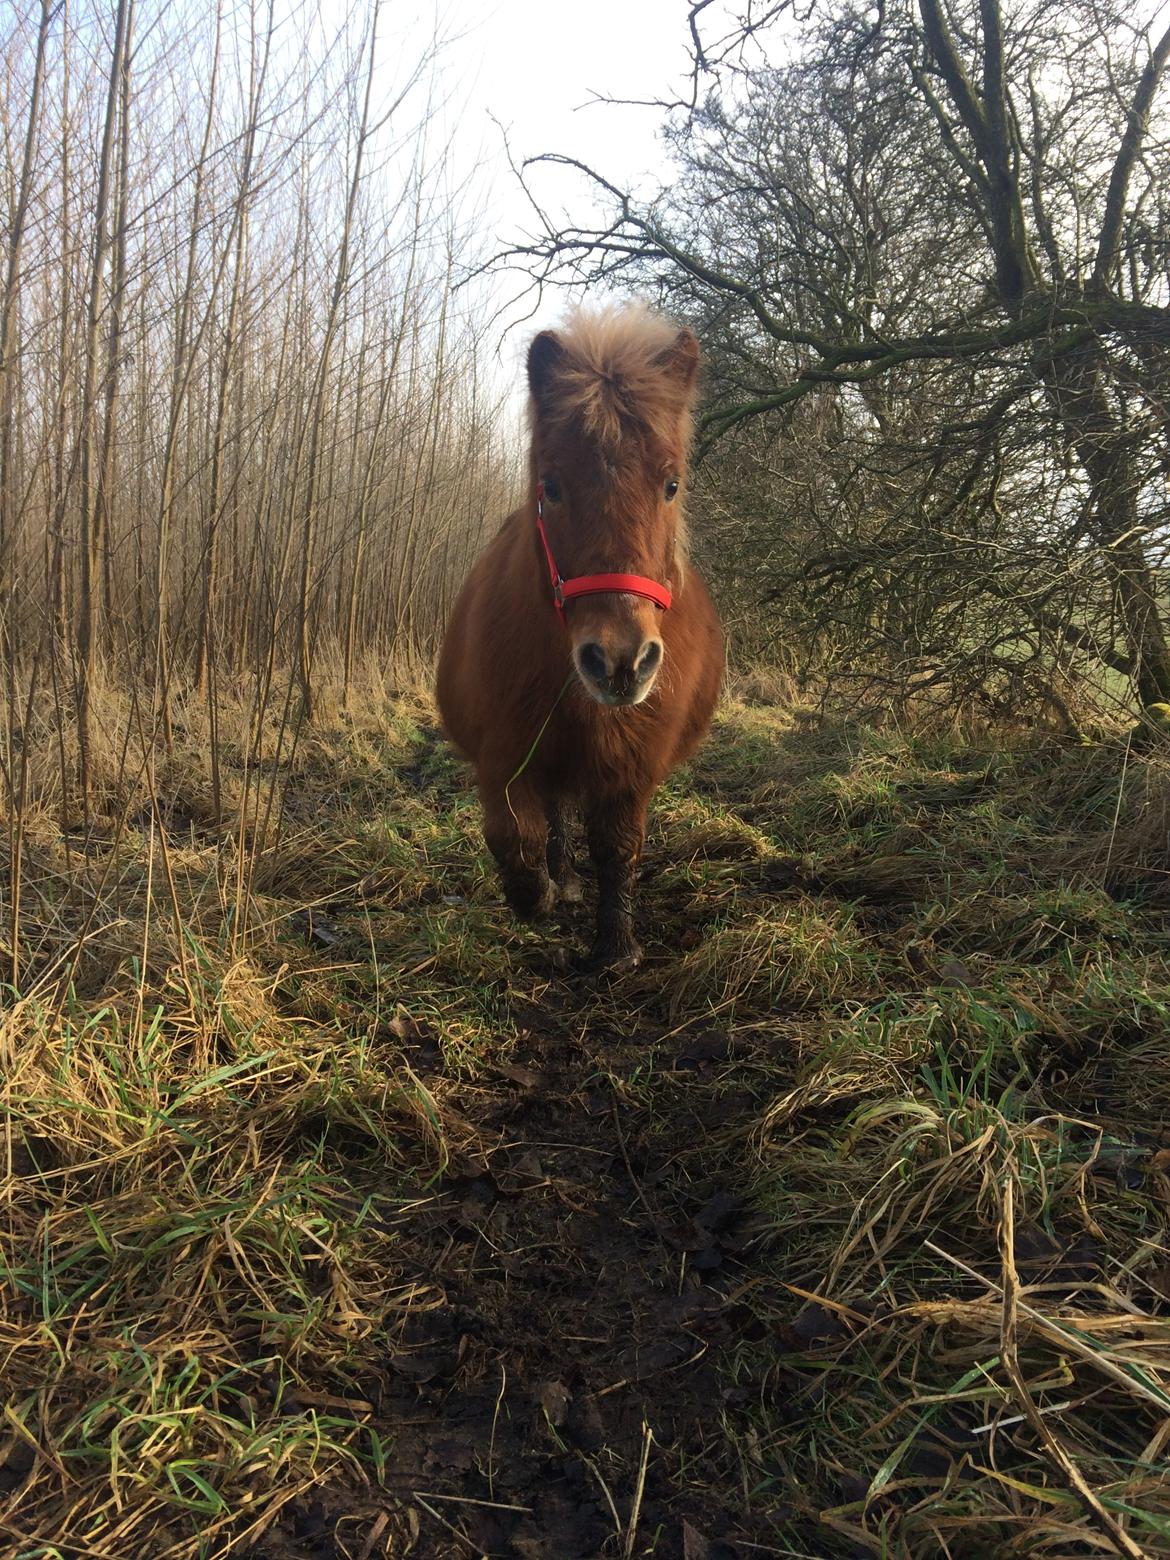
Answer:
(616, 826)
(560, 851)
(516, 829)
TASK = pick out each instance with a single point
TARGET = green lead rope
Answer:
(527, 759)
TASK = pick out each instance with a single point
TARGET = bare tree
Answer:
(219, 332)
(943, 231)
(91, 531)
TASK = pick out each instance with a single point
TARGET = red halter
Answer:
(593, 584)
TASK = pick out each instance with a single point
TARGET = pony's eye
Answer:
(671, 488)
(552, 490)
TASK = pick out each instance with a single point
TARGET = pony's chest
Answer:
(607, 748)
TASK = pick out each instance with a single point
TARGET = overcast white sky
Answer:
(533, 65)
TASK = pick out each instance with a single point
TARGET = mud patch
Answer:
(566, 1390)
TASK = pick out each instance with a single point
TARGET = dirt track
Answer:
(584, 1268)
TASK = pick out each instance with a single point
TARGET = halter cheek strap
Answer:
(593, 584)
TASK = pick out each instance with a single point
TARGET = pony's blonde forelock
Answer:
(615, 371)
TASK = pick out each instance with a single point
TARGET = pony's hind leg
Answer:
(516, 830)
(616, 826)
(560, 851)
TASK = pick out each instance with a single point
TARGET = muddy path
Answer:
(576, 1377)
(590, 1258)
(563, 1391)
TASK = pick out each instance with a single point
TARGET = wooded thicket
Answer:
(245, 420)
(241, 416)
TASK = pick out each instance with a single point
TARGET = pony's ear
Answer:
(681, 359)
(544, 354)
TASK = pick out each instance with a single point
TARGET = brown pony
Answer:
(561, 647)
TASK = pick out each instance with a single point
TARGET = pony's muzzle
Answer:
(614, 676)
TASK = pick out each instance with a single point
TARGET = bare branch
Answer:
(1137, 121)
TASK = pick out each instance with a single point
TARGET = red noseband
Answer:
(593, 584)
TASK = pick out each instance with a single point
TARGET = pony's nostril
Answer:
(591, 659)
(649, 659)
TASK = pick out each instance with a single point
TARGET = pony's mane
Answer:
(616, 374)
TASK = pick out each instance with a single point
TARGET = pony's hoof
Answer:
(531, 904)
(571, 889)
(611, 961)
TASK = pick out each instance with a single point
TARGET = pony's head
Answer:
(611, 426)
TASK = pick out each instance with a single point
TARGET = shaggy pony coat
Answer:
(627, 690)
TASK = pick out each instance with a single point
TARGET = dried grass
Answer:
(945, 967)
(964, 1190)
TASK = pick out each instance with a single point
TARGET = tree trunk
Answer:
(1076, 387)
(317, 409)
(87, 623)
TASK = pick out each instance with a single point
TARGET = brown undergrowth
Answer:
(342, 1216)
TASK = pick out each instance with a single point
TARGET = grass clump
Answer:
(963, 1333)
(269, 1071)
(209, 1120)
(796, 956)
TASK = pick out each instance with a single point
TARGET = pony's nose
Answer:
(619, 675)
(649, 658)
(591, 658)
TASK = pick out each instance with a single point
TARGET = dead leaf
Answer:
(529, 1165)
(813, 1326)
(315, 928)
(1034, 1248)
(524, 1076)
(419, 1041)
